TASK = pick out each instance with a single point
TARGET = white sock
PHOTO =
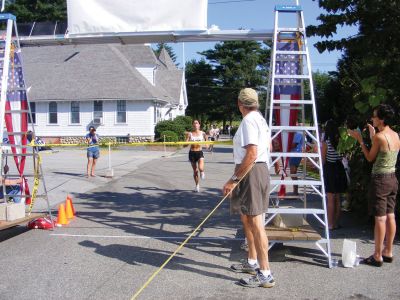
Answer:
(252, 261)
(266, 273)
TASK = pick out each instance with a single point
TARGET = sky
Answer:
(259, 14)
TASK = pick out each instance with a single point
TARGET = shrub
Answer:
(170, 136)
(186, 121)
(169, 125)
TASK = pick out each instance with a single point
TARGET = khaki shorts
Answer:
(251, 195)
(383, 191)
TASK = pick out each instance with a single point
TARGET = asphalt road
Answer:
(128, 226)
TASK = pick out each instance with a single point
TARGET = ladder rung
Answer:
(288, 84)
(283, 76)
(294, 52)
(16, 146)
(294, 128)
(15, 89)
(295, 182)
(19, 154)
(290, 29)
(288, 101)
(17, 133)
(16, 111)
(17, 175)
(23, 196)
(303, 211)
(14, 65)
(288, 107)
(288, 8)
(294, 154)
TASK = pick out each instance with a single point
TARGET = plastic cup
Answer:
(334, 262)
(357, 261)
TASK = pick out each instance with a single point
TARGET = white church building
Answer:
(122, 90)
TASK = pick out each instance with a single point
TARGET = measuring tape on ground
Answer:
(188, 238)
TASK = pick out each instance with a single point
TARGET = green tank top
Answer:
(385, 161)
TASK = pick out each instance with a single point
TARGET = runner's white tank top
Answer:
(200, 138)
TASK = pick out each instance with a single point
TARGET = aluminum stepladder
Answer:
(296, 77)
(14, 106)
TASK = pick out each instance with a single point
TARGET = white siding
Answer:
(139, 117)
(148, 73)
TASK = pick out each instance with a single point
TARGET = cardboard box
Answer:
(15, 211)
(288, 220)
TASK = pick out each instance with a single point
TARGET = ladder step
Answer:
(288, 101)
(17, 175)
(294, 128)
(287, 107)
(283, 76)
(290, 29)
(16, 111)
(288, 8)
(15, 89)
(295, 182)
(286, 84)
(281, 52)
(303, 211)
(18, 154)
(17, 133)
(16, 146)
(294, 154)
(24, 196)
(14, 65)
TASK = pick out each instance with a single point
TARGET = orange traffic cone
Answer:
(69, 199)
(62, 218)
(68, 209)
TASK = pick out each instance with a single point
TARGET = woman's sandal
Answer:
(371, 261)
(387, 259)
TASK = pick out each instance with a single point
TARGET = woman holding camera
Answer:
(384, 151)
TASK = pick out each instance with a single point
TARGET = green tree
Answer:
(368, 73)
(38, 10)
(168, 48)
(329, 103)
(236, 65)
(201, 89)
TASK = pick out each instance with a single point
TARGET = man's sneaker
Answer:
(258, 280)
(245, 267)
(202, 175)
(197, 189)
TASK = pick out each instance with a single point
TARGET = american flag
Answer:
(286, 89)
(17, 121)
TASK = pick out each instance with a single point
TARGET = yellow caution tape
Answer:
(229, 142)
(143, 144)
(35, 183)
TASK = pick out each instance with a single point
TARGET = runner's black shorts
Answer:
(195, 156)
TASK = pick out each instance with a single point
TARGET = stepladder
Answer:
(298, 192)
(21, 169)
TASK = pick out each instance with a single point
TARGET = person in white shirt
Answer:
(250, 198)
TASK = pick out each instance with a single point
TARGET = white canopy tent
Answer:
(138, 22)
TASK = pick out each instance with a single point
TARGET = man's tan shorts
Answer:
(251, 196)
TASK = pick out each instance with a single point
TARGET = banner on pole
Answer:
(112, 16)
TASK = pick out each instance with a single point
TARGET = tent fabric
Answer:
(116, 16)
